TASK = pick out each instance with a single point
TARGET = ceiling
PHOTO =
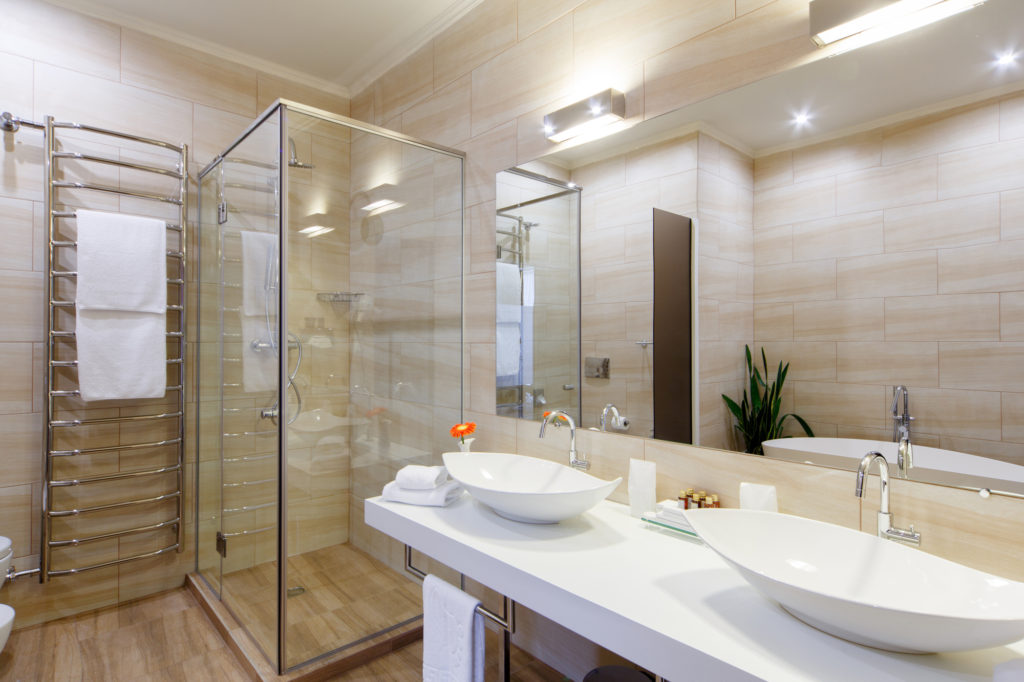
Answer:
(932, 68)
(341, 45)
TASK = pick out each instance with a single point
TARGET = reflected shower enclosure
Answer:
(329, 356)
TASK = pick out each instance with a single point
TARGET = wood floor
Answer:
(167, 637)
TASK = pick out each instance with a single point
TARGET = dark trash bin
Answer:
(616, 673)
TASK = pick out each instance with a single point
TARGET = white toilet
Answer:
(6, 612)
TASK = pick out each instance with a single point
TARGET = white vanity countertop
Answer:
(657, 598)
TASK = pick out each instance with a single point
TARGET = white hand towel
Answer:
(441, 496)
(417, 477)
(122, 262)
(453, 634)
(259, 367)
(758, 496)
(121, 355)
(1010, 671)
(259, 271)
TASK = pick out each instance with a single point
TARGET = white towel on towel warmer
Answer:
(121, 306)
(453, 634)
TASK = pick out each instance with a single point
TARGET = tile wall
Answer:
(57, 62)
(893, 256)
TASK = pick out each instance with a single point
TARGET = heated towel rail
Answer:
(60, 397)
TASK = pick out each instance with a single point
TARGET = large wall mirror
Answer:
(860, 218)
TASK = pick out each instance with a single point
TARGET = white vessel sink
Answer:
(864, 589)
(527, 489)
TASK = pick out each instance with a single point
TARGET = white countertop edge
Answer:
(660, 652)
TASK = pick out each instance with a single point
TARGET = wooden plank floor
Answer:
(167, 638)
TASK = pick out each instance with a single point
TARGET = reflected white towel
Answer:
(508, 349)
(259, 271)
(1010, 671)
(441, 496)
(453, 634)
(418, 477)
(121, 355)
(509, 284)
(122, 262)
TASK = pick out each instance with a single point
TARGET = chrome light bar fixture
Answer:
(586, 115)
(869, 21)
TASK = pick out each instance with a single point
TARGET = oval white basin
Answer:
(864, 589)
(527, 489)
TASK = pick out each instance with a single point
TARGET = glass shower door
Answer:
(240, 253)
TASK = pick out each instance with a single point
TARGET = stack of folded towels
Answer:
(422, 485)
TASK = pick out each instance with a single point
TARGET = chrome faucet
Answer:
(618, 421)
(901, 430)
(555, 416)
(886, 530)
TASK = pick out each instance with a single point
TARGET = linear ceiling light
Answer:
(588, 114)
(874, 20)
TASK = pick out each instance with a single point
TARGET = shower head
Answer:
(293, 158)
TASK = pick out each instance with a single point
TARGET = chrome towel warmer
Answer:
(177, 168)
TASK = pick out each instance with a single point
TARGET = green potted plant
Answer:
(757, 416)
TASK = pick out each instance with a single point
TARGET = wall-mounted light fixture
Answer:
(586, 115)
(868, 21)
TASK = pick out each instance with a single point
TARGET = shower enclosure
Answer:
(329, 356)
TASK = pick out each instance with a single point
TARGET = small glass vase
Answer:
(465, 444)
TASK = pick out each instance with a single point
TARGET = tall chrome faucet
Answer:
(556, 416)
(901, 430)
(885, 528)
(618, 422)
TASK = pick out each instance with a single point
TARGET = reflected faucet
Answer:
(618, 421)
(901, 430)
(886, 530)
(555, 416)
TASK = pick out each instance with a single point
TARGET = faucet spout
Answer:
(886, 529)
(554, 416)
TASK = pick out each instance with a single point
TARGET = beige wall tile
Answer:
(848, 404)
(960, 129)
(16, 391)
(166, 67)
(535, 72)
(968, 414)
(1013, 417)
(773, 321)
(773, 245)
(486, 155)
(981, 366)
(940, 224)
(898, 273)
(214, 131)
(1011, 316)
(404, 85)
(850, 235)
(57, 36)
(990, 168)
(21, 307)
(847, 154)
(443, 118)
(656, 161)
(808, 360)
(16, 83)
(799, 202)
(69, 95)
(481, 378)
(21, 441)
(16, 234)
(774, 170)
(814, 280)
(533, 15)
(903, 184)
(270, 88)
(989, 267)
(958, 317)
(753, 46)
(1011, 117)
(843, 320)
(1011, 214)
(481, 34)
(888, 362)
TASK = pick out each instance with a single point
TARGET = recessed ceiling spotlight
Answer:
(1008, 58)
(571, 185)
(801, 119)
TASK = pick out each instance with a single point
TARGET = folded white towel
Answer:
(453, 634)
(1010, 671)
(441, 496)
(417, 477)
(121, 355)
(122, 262)
(259, 270)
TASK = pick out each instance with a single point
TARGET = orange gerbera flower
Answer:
(460, 431)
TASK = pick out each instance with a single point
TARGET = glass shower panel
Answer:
(241, 238)
(373, 283)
